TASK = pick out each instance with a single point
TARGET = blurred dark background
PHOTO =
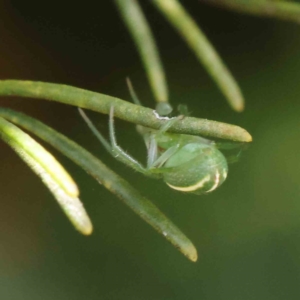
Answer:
(247, 232)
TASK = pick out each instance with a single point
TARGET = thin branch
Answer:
(287, 11)
(122, 109)
(110, 180)
(204, 50)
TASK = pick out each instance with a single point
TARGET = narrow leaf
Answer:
(140, 31)
(36, 157)
(205, 52)
(124, 110)
(282, 10)
(110, 180)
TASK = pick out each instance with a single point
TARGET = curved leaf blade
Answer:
(54, 176)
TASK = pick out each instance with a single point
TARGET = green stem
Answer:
(110, 180)
(287, 11)
(137, 25)
(122, 109)
(204, 50)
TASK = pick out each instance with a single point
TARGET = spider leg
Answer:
(167, 124)
(231, 145)
(120, 154)
(164, 157)
(153, 159)
(116, 151)
(132, 92)
(152, 151)
(95, 131)
(235, 149)
(163, 108)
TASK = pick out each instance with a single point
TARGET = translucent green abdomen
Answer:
(196, 168)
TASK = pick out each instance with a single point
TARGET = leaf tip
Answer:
(188, 249)
(191, 253)
(87, 229)
(237, 102)
(71, 187)
(240, 107)
(247, 137)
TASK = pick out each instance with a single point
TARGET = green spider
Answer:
(186, 163)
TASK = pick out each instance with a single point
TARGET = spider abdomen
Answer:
(196, 168)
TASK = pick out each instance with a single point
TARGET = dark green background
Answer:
(247, 232)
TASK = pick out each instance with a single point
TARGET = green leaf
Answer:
(124, 110)
(110, 180)
(140, 31)
(282, 10)
(53, 175)
(204, 50)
